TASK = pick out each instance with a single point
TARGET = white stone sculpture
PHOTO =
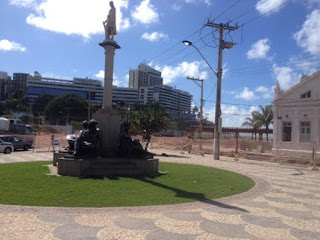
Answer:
(110, 24)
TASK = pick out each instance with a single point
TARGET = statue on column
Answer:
(110, 24)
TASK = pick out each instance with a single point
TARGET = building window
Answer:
(305, 130)
(306, 95)
(286, 132)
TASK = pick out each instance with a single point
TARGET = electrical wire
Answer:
(226, 10)
(246, 12)
(254, 19)
(173, 46)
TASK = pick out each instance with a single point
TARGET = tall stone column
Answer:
(109, 47)
(108, 119)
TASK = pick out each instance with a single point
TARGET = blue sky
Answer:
(277, 40)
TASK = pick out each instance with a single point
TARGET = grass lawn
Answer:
(27, 184)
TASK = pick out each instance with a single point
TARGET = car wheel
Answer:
(26, 147)
(7, 150)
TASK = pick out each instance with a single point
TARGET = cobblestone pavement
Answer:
(284, 204)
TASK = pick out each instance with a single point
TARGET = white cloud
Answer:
(262, 89)
(264, 6)
(259, 50)
(6, 45)
(100, 74)
(56, 76)
(116, 81)
(232, 116)
(266, 93)
(246, 94)
(80, 17)
(176, 7)
(120, 82)
(183, 70)
(155, 36)
(309, 34)
(307, 66)
(22, 3)
(208, 2)
(145, 13)
(286, 76)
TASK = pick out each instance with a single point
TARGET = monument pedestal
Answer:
(109, 125)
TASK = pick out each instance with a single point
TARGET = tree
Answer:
(66, 107)
(265, 117)
(150, 117)
(252, 123)
(41, 102)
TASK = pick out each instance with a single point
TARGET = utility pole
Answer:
(222, 45)
(196, 80)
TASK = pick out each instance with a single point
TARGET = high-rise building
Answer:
(18, 86)
(4, 79)
(177, 103)
(144, 76)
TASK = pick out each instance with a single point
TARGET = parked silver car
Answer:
(16, 142)
(6, 147)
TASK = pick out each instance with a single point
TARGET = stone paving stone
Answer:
(304, 235)
(297, 214)
(302, 224)
(256, 204)
(161, 234)
(76, 232)
(225, 230)
(269, 233)
(64, 219)
(302, 195)
(226, 209)
(184, 216)
(135, 223)
(178, 226)
(282, 200)
(266, 222)
(223, 218)
(311, 207)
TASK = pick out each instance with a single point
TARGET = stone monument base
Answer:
(109, 125)
(107, 167)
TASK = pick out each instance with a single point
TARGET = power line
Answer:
(226, 10)
(246, 12)
(285, 3)
(180, 51)
(178, 43)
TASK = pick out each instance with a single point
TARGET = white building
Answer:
(85, 87)
(177, 103)
(144, 76)
(296, 124)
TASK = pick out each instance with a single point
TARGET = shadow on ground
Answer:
(191, 195)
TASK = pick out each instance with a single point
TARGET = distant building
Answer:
(177, 103)
(296, 123)
(85, 87)
(4, 79)
(18, 86)
(144, 76)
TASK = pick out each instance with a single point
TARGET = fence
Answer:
(44, 140)
(228, 147)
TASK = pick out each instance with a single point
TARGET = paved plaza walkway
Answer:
(284, 204)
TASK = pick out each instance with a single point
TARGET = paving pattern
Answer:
(285, 204)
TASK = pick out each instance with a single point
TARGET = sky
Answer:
(276, 40)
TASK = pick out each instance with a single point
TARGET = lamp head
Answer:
(187, 43)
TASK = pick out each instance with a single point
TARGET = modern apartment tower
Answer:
(177, 103)
(144, 76)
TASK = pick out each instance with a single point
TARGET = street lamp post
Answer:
(216, 150)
